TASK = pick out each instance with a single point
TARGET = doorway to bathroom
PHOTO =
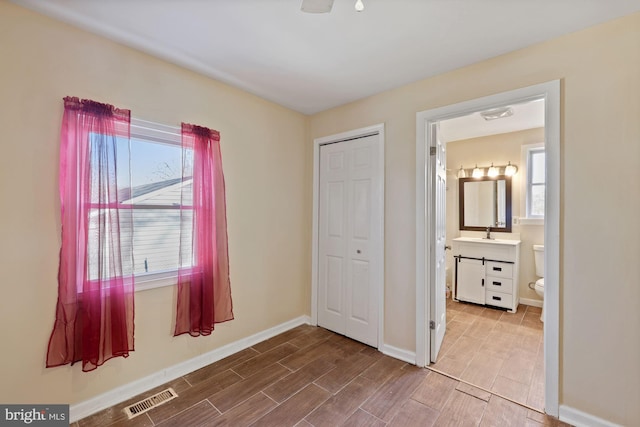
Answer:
(508, 351)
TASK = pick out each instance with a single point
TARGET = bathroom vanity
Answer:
(487, 271)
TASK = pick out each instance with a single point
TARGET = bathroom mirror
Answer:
(484, 202)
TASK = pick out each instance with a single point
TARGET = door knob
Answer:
(358, 251)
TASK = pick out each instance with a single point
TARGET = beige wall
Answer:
(499, 149)
(600, 171)
(263, 147)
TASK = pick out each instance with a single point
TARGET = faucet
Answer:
(488, 232)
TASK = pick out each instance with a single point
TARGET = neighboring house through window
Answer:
(154, 195)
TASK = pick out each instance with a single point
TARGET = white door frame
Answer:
(377, 255)
(550, 92)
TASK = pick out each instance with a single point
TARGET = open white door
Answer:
(437, 193)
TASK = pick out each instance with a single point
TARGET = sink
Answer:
(485, 240)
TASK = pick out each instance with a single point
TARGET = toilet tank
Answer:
(538, 256)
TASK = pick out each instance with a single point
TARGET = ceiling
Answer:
(527, 115)
(312, 62)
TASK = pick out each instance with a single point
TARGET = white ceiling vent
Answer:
(150, 402)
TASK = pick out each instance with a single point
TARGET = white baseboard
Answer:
(531, 302)
(113, 397)
(398, 353)
(582, 419)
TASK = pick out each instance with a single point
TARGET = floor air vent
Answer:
(150, 402)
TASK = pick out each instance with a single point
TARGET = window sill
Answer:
(154, 281)
(531, 221)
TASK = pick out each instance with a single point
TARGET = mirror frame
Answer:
(508, 207)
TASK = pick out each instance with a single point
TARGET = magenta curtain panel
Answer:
(94, 312)
(204, 290)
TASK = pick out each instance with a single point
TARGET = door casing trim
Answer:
(550, 92)
(378, 256)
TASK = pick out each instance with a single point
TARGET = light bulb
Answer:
(510, 169)
(493, 171)
(477, 172)
(359, 6)
(461, 173)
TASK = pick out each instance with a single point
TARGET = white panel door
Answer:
(350, 214)
(439, 226)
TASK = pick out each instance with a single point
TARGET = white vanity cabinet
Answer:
(486, 271)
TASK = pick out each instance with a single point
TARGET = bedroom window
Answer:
(154, 197)
(140, 204)
(150, 184)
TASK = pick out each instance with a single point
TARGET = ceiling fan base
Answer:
(316, 6)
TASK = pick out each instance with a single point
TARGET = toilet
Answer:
(538, 254)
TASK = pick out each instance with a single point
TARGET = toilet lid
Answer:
(540, 283)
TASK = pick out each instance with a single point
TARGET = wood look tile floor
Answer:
(496, 350)
(309, 376)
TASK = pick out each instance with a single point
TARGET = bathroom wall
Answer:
(499, 149)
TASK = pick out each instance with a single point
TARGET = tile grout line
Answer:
(451, 393)
(531, 385)
(268, 397)
(477, 318)
(178, 413)
(285, 367)
(213, 406)
(524, 405)
(367, 412)
(243, 378)
(186, 380)
(291, 397)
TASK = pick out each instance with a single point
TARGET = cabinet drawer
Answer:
(499, 269)
(499, 284)
(499, 299)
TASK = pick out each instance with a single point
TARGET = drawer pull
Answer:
(497, 283)
(497, 298)
(497, 268)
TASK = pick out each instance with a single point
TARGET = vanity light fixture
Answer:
(477, 172)
(359, 6)
(510, 169)
(493, 171)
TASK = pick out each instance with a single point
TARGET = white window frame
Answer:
(162, 134)
(525, 180)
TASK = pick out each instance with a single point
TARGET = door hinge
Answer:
(432, 324)
(432, 151)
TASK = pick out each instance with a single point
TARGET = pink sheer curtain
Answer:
(94, 312)
(204, 290)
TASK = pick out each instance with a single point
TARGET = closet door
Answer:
(350, 213)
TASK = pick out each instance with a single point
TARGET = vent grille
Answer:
(150, 402)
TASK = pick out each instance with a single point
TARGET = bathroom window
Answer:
(533, 191)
